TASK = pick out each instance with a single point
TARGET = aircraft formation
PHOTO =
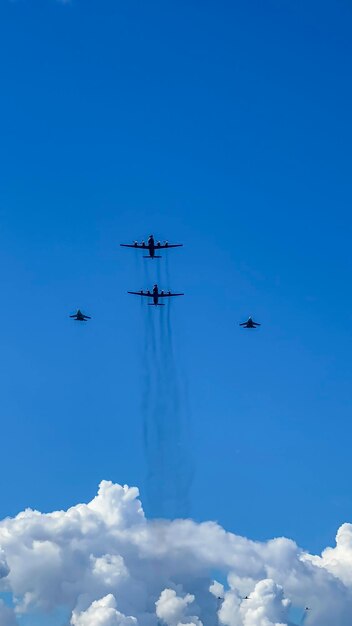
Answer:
(155, 295)
(152, 246)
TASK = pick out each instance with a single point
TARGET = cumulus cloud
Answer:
(102, 613)
(265, 606)
(173, 609)
(338, 560)
(109, 565)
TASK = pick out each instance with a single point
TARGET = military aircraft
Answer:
(151, 246)
(249, 323)
(155, 294)
(80, 317)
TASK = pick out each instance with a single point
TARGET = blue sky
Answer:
(222, 125)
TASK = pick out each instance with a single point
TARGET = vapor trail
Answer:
(165, 416)
(167, 270)
(158, 272)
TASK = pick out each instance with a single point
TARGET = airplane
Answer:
(250, 323)
(80, 317)
(151, 246)
(307, 608)
(155, 294)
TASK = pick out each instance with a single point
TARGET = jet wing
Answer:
(86, 317)
(244, 324)
(141, 293)
(169, 295)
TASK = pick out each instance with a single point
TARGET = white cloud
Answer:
(338, 560)
(173, 609)
(265, 606)
(104, 561)
(102, 613)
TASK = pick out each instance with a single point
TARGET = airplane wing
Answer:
(256, 324)
(86, 317)
(243, 324)
(169, 295)
(169, 245)
(141, 293)
(73, 316)
(133, 245)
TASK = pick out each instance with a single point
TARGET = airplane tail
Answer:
(156, 256)
(159, 304)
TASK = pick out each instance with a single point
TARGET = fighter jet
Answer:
(155, 294)
(80, 317)
(249, 323)
(151, 246)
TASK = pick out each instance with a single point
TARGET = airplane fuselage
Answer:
(151, 246)
(156, 295)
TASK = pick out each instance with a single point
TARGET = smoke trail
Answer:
(167, 271)
(170, 454)
(158, 272)
(146, 272)
(136, 260)
(165, 414)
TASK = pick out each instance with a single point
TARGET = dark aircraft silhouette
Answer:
(151, 246)
(155, 294)
(80, 317)
(307, 608)
(249, 323)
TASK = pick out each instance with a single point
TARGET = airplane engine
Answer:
(158, 244)
(135, 243)
(143, 244)
(162, 292)
(166, 243)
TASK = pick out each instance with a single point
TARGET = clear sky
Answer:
(223, 125)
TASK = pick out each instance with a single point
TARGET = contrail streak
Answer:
(165, 407)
